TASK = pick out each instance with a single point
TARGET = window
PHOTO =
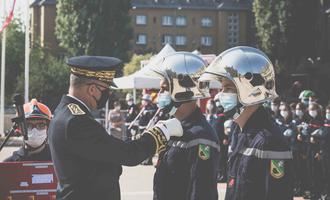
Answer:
(167, 21)
(206, 22)
(141, 20)
(167, 39)
(233, 29)
(206, 40)
(141, 39)
(181, 21)
(180, 40)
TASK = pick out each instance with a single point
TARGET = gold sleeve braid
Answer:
(159, 138)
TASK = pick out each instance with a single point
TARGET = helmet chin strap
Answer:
(172, 107)
(235, 112)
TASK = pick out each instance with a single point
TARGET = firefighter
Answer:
(132, 112)
(35, 148)
(188, 167)
(260, 164)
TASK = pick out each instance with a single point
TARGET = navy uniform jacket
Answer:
(188, 168)
(260, 164)
(23, 154)
(132, 112)
(87, 159)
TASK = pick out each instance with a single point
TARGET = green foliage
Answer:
(95, 27)
(134, 65)
(271, 20)
(49, 77)
(15, 42)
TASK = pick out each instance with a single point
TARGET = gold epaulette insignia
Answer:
(75, 109)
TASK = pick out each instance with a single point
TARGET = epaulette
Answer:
(75, 109)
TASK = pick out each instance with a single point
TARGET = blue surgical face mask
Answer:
(228, 100)
(305, 101)
(164, 99)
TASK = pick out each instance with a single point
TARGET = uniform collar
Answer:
(81, 102)
(258, 120)
(70, 99)
(192, 118)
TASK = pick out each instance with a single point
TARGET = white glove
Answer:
(170, 127)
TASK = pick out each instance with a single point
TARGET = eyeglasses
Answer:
(99, 85)
(39, 126)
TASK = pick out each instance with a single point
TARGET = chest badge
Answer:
(75, 109)
(277, 168)
(204, 152)
(231, 183)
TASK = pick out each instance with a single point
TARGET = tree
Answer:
(134, 65)
(271, 19)
(49, 77)
(95, 27)
(15, 40)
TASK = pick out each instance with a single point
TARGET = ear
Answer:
(91, 89)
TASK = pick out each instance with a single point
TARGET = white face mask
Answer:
(299, 113)
(274, 108)
(327, 116)
(209, 107)
(36, 137)
(129, 103)
(284, 113)
(313, 113)
(117, 108)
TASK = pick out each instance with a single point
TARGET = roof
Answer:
(188, 4)
(235, 5)
(195, 4)
(42, 2)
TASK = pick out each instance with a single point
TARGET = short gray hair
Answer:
(78, 81)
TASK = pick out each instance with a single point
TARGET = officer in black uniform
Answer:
(132, 112)
(325, 148)
(149, 110)
(314, 166)
(188, 168)
(86, 158)
(260, 164)
(218, 126)
(35, 148)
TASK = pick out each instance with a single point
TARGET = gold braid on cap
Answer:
(159, 138)
(105, 76)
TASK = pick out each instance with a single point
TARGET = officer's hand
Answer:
(170, 127)
(225, 142)
(312, 140)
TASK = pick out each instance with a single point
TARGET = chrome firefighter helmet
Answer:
(249, 69)
(182, 70)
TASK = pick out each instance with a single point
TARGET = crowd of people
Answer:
(262, 146)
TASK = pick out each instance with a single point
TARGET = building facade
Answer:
(210, 26)
(207, 25)
(42, 16)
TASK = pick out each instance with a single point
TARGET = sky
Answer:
(20, 8)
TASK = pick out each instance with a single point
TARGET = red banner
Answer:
(9, 18)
